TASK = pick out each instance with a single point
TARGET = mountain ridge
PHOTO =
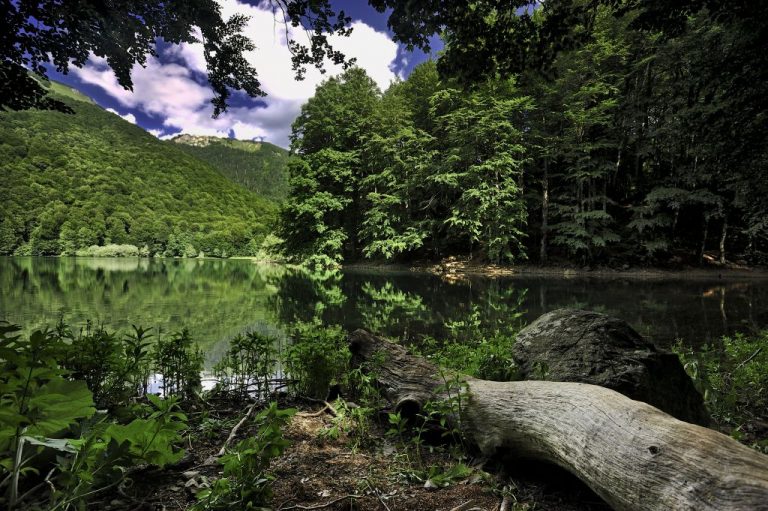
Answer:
(93, 178)
(258, 166)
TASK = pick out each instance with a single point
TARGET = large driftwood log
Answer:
(631, 454)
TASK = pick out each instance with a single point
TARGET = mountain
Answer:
(258, 166)
(71, 181)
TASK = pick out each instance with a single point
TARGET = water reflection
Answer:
(218, 299)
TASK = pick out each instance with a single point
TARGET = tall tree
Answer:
(326, 195)
(481, 168)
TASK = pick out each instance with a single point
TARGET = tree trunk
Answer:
(723, 234)
(704, 236)
(631, 454)
(544, 213)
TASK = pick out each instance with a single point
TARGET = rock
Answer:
(587, 347)
(430, 485)
(190, 474)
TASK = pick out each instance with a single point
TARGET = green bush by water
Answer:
(733, 378)
(316, 359)
(248, 364)
(47, 414)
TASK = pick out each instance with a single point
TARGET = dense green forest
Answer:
(258, 166)
(636, 146)
(73, 181)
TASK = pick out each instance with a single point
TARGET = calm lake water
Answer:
(218, 299)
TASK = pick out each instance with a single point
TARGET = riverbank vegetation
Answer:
(82, 424)
(636, 144)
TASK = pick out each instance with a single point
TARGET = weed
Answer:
(245, 481)
(248, 365)
(45, 414)
(316, 359)
(733, 377)
(180, 362)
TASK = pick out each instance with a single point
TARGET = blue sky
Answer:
(171, 94)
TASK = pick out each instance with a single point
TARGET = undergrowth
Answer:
(732, 375)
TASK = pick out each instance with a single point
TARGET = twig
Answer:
(504, 503)
(234, 430)
(376, 492)
(462, 507)
(320, 506)
(328, 406)
(753, 355)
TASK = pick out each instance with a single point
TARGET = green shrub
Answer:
(248, 365)
(179, 360)
(489, 358)
(115, 368)
(316, 358)
(44, 411)
(109, 251)
(733, 377)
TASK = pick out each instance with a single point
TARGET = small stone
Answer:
(190, 483)
(324, 493)
(190, 474)
(430, 485)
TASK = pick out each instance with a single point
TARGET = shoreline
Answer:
(457, 270)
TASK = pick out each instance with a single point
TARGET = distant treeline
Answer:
(257, 166)
(91, 179)
(633, 147)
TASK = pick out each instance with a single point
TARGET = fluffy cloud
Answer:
(173, 88)
(128, 117)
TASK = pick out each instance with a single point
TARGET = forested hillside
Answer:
(71, 181)
(631, 146)
(259, 166)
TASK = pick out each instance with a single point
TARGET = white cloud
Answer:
(175, 92)
(128, 117)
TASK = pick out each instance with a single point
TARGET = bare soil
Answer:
(317, 472)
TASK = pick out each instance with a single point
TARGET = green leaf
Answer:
(57, 405)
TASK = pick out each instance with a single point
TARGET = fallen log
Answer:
(631, 454)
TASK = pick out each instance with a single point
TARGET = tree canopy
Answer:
(631, 140)
(124, 32)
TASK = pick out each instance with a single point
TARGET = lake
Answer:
(217, 299)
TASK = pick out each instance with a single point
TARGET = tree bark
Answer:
(723, 234)
(544, 213)
(704, 240)
(631, 454)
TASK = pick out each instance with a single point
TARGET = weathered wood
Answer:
(631, 454)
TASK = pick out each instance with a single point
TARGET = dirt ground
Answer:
(317, 472)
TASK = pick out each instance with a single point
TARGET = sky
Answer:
(171, 94)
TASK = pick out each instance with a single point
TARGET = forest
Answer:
(258, 166)
(636, 147)
(90, 183)
(172, 365)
